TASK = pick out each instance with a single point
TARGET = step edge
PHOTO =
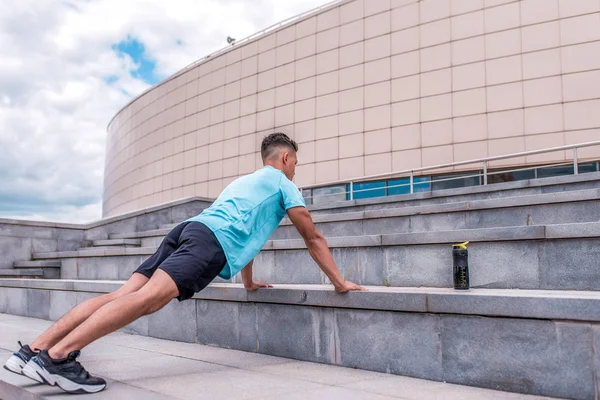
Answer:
(538, 304)
(499, 234)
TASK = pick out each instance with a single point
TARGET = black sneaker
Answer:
(18, 360)
(67, 373)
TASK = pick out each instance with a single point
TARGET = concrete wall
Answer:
(145, 220)
(526, 352)
(19, 240)
(368, 87)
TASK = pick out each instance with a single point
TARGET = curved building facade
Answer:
(367, 87)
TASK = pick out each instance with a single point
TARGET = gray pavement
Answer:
(137, 367)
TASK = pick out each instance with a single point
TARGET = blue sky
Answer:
(146, 66)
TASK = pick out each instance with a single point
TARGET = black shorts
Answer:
(191, 255)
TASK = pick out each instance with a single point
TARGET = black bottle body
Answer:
(461, 268)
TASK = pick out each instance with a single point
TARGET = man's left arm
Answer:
(249, 282)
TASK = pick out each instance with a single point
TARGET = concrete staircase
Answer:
(517, 242)
(47, 269)
(20, 241)
(529, 325)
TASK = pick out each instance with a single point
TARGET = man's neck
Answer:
(273, 165)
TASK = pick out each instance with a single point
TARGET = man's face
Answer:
(289, 164)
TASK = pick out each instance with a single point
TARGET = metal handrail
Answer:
(226, 49)
(432, 181)
(484, 161)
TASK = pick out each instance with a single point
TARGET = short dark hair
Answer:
(271, 143)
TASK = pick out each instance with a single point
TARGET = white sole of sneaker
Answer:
(30, 373)
(15, 364)
(54, 380)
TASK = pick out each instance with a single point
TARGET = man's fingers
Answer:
(358, 287)
(354, 286)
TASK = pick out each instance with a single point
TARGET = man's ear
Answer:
(286, 157)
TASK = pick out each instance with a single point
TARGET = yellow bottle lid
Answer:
(461, 245)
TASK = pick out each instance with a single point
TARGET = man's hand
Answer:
(250, 283)
(257, 284)
(348, 286)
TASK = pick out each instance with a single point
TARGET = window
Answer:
(329, 194)
(510, 176)
(402, 186)
(439, 183)
(367, 190)
(555, 171)
(307, 193)
(588, 167)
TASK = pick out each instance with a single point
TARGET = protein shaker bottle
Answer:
(460, 255)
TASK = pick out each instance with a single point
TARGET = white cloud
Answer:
(54, 100)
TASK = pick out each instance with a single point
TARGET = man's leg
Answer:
(83, 311)
(153, 296)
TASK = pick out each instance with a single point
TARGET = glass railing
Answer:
(419, 180)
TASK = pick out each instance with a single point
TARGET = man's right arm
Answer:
(318, 249)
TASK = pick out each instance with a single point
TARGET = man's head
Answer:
(279, 151)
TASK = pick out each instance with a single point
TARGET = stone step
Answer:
(534, 191)
(489, 234)
(418, 332)
(37, 264)
(475, 197)
(117, 351)
(502, 190)
(555, 208)
(94, 252)
(530, 257)
(152, 241)
(167, 226)
(117, 242)
(48, 269)
(141, 235)
(109, 247)
(540, 304)
(29, 272)
(471, 205)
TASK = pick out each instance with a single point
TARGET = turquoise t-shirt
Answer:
(246, 214)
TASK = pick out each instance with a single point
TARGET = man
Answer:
(222, 241)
